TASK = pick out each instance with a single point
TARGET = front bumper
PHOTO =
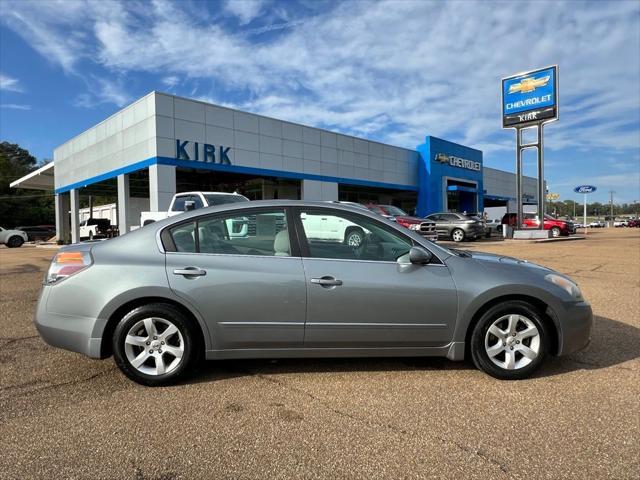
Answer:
(66, 331)
(575, 323)
(432, 236)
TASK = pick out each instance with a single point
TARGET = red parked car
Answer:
(424, 227)
(557, 227)
(633, 222)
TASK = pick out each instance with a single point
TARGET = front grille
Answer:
(427, 228)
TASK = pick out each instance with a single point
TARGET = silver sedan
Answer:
(276, 279)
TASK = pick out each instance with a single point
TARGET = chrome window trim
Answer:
(376, 324)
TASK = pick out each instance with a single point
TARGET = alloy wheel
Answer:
(354, 239)
(154, 346)
(512, 342)
(457, 235)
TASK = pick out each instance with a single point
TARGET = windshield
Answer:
(219, 199)
(392, 210)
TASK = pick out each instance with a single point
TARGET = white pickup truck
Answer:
(186, 201)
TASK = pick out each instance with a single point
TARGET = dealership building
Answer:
(163, 144)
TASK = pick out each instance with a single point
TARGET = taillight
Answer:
(65, 264)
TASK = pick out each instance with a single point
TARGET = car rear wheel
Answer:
(457, 235)
(15, 242)
(510, 341)
(555, 232)
(154, 344)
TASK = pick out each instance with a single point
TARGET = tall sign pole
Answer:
(585, 190)
(529, 101)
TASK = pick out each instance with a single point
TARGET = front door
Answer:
(361, 297)
(239, 271)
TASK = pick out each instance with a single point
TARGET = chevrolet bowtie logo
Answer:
(442, 158)
(527, 85)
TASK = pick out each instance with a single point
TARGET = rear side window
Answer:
(263, 233)
(183, 237)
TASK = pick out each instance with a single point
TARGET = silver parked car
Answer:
(265, 279)
(458, 227)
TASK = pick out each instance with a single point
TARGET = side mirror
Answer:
(420, 256)
(189, 205)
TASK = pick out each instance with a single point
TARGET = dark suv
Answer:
(39, 232)
(457, 227)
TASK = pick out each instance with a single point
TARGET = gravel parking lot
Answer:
(63, 415)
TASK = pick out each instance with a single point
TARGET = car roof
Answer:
(197, 192)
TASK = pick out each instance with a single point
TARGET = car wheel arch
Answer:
(546, 312)
(117, 313)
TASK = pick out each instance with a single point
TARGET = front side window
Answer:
(345, 236)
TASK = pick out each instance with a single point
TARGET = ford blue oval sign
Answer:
(585, 189)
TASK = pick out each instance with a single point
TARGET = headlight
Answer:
(566, 284)
(65, 264)
(414, 226)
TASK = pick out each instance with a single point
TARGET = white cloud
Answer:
(170, 81)
(393, 71)
(15, 106)
(9, 83)
(245, 10)
(101, 91)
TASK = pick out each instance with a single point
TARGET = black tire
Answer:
(477, 345)
(354, 237)
(15, 241)
(458, 235)
(555, 232)
(167, 312)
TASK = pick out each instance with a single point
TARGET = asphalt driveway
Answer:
(63, 415)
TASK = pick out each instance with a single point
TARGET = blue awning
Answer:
(460, 188)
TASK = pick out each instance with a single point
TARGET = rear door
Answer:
(251, 288)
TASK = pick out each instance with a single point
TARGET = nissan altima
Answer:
(269, 279)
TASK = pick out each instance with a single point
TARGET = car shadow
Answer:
(612, 343)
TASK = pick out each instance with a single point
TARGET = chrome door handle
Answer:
(327, 282)
(190, 272)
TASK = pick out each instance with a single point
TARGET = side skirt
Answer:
(453, 351)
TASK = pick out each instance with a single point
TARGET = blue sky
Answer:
(389, 71)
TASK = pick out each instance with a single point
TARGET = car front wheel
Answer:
(555, 232)
(154, 344)
(15, 242)
(457, 235)
(510, 341)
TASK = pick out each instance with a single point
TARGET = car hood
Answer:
(491, 259)
(410, 219)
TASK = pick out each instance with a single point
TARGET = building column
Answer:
(322, 191)
(75, 215)
(162, 187)
(124, 204)
(62, 217)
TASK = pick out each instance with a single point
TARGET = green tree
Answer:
(18, 206)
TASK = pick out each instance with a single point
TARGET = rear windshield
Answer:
(214, 200)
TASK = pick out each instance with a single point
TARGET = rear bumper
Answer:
(575, 324)
(66, 331)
